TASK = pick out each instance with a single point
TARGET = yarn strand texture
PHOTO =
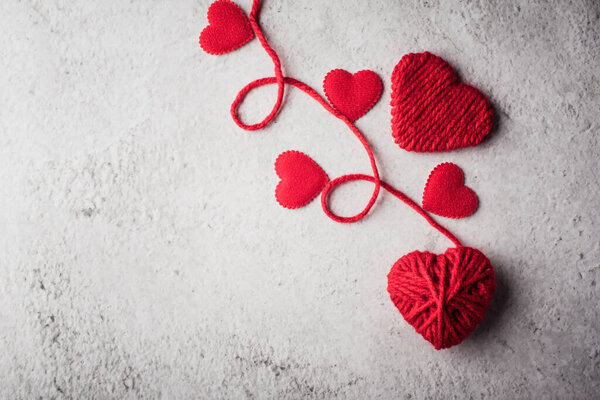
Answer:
(443, 296)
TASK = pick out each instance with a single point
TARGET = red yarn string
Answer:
(278, 76)
(392, 190)
(281, 81)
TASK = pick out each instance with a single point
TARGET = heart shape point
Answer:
(443, 296)
(302, 179)
(228, 28)
(352, 94)
(432, 110)
(446, 195)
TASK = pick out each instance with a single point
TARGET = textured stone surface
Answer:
(143, 255)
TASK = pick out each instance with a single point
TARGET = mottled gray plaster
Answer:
(142, 253)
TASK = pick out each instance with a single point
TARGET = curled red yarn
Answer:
(281, 81)
(442, 296)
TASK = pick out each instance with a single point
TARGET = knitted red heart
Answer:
(446, 195)
(228, 28)
(443, 296)
(301, 179)
(432, 110)
(352, 95)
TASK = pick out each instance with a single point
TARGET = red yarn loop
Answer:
(389, 188)
(281, 81)
(340, 181)
(279, 78)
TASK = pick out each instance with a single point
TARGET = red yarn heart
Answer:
(302, 179)
(228, 28)
(352, 95)
(446, 195)
(432, 110)
(443, 296)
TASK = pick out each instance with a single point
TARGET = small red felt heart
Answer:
(228, 28)
(446, 195)
(302, 179)
(352, 95)
(432, 110)
(443, 296)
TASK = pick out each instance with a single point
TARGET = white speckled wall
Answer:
(142, 252)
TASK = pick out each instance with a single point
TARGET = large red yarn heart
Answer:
(302, 179)
(432, 110)
(228, 28)
(352, 95)
(446, 195)
(443, 296)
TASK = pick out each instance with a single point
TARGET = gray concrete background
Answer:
(143, 254)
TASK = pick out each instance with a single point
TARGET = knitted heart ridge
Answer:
(432, 110)
(443, 296)
(446, 195)
(352, 94)
(228, 28)
(302, 179)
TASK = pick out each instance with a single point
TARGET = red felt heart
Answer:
(443, 296)
(301, 179)
(352, 95)
(446, 195)
(228, 28)
(432, 110)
